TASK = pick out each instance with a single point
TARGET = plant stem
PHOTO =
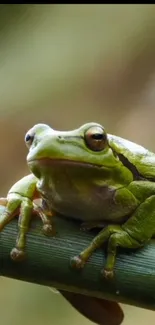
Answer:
(48, 263)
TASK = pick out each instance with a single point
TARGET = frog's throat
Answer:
(59, 161)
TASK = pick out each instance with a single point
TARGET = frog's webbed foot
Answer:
(115, 236)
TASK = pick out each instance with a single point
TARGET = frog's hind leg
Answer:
(134, 233)
(116, 236)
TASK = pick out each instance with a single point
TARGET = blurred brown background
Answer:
(66, 65)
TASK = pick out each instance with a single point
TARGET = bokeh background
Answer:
(66, 65)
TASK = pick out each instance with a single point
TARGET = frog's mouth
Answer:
(41, 166)
(57, 162)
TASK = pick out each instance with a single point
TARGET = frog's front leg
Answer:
(46, 216)
(25, 214)
(17, 204)
(20, 201)
(134, 233)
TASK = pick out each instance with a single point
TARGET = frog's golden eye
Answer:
(29, 139)
(96, 138)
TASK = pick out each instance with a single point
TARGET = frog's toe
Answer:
(18, 254)
(48, 230)
(77, 262)
(108, 274)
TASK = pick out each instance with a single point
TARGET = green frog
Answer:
(102, 180)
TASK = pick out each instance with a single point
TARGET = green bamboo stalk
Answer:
(48, 263)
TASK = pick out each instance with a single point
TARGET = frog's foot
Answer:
(77, 262)
(18, 254)
(108, 274)
(47, 229)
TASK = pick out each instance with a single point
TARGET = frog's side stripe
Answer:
(131, 167)
(137, 176)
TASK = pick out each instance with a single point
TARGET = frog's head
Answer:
(86, 146)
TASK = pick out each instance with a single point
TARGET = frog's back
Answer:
(140, 157)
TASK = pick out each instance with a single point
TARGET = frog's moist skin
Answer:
(97, 178)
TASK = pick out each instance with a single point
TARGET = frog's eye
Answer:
(29, 139)
(96, 138)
